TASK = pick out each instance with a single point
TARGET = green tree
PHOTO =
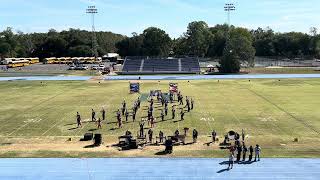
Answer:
(130, 46)
(4, 49)
(198, 38)
(80, 51)
(263, 42)
(156, 42)
(241, 43)
(238, 50)
(8, 42)
(316, 46)
(55, 46)
(180, 47)
(229, 62)
(218, 43)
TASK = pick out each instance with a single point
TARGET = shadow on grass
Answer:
(178, 121)
(161, 153)
(112, 122)
(162, 121)
(115, 128)
(208, 143)
(91, 146)
(83, 122)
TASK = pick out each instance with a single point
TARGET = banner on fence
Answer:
(173, 87)
(134, 87)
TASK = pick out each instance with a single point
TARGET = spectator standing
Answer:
(257, 152)
(231, 161)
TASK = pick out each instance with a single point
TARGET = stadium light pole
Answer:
(92, 10)
(228, 8)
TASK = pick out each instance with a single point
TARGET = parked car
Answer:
(82, 67)
(72, 67)
(95, 67)
(101, 67)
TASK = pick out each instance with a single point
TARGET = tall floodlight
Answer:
(92, 10)
(228, 8)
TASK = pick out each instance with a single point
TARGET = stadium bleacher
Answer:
(145, 65)
(190, 65)
(132, 65)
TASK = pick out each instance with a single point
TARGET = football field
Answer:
(38, 118)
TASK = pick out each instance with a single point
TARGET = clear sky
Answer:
(127, 16)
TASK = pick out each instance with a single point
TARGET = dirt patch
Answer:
(61, 144)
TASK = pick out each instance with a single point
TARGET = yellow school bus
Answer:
(33, 60)
(49, 60)
(18, 63)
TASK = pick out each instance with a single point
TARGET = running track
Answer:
(163, 77)
(158, 169)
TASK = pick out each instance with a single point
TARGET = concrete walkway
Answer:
(155, 168)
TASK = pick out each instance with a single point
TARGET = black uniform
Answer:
(150, 133)
(123, 111)
(188, 105)
(99, 123)
(161, 136)
(250, 153)
(79, 120)
(162, 116)
(239, 149)
(181, 100)
(127, 115)
(195, 135)
(173, 113)
(133, 116)
(166, 110)
(141, 130)
(192, 102)
(93, 115)
(214, 135)
(138, 102)
(244, 151)
(103, 114)
(124, 104)
(182, 114)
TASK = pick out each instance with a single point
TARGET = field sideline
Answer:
(37, 119)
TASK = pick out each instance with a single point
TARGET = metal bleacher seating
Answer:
(190, 65)
(161, 65)
(157, 65)
(132, 65)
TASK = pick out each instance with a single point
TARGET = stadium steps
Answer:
(180, 66)
(141, 66)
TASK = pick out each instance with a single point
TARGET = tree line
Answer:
(232, 45)
(73, 42)
(204, 41)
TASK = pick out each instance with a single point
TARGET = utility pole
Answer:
(92, 10)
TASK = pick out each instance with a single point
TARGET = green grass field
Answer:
(271, 112)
